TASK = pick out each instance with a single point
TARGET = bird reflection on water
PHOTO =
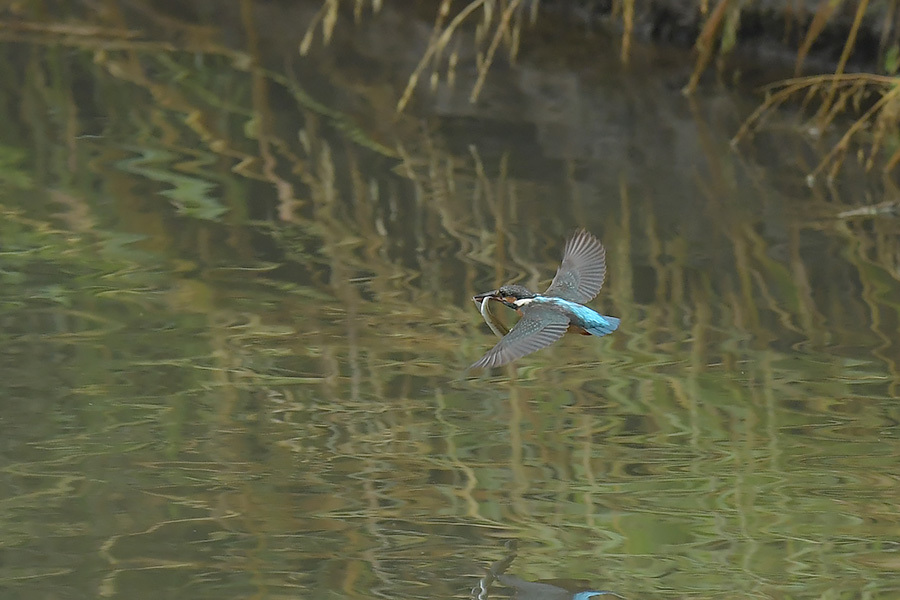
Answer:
(553, 589)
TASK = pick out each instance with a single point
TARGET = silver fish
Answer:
(491, 319)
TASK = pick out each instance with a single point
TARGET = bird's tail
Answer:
(603, 326)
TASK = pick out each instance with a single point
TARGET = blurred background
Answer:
(238, 242)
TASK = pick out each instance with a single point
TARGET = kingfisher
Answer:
(546, 317)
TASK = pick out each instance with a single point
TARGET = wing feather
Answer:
(539, 327)
(582, 271)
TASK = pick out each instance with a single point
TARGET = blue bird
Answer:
(546, 317)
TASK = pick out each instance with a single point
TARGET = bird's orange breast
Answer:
(576, 329)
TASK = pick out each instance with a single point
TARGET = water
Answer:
(235, 317)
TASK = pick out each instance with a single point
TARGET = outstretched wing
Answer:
(583, 268)
(539, 327)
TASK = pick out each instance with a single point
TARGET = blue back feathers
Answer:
(583, 316)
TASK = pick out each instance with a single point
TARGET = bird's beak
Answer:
(492, 295)
(477, 298)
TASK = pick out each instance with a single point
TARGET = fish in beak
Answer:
(484, 301)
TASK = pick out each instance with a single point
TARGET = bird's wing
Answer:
(539, 327)
(583, 268)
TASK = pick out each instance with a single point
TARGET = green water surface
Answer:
(235, 316)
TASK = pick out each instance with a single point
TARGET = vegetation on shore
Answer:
(870, 99)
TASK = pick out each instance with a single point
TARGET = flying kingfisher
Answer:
(546, 317)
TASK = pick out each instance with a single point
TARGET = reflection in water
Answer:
(235, 304)
(538, 590)
(534, 590)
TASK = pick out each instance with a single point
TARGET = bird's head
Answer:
(507, 294)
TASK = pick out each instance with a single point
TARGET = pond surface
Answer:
(235, 318)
